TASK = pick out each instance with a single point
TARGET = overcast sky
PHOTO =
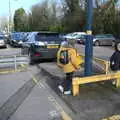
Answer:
(15, 4)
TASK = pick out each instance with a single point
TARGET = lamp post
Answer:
(9, 18)
(89, 39)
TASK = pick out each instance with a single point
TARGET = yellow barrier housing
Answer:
(96, 78)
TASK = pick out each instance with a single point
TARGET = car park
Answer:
(16, 39)
(104, 39)
(2, 41)
(42, 45)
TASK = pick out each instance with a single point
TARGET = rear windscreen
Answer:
(17, 36)
(48, 37)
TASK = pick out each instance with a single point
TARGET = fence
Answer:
(12, 62)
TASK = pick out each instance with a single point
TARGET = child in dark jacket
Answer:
(115, 58)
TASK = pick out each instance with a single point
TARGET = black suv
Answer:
(42, 45)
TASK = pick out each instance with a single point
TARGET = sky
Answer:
(15, 4)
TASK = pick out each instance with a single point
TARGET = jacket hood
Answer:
(117, 47)
(65, 44)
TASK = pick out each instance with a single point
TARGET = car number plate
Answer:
(52, 46)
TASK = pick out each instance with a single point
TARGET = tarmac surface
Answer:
(25, 96)
(34, 94)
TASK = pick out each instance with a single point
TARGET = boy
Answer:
(74, 63)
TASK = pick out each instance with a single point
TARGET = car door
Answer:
(111, 40)
(103, 40)
(98, 39)
(108, 40)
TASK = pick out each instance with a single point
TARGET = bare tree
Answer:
(3, 23)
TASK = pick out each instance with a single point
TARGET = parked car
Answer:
(16, 39)
(80, 39)
(42, 45)
(104, 39)
(2, 41)
(74, 35)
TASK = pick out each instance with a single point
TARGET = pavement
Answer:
(95, 101)
(25, 96)
(34, 94)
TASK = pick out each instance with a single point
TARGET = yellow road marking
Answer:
(33, 77)
(9, 71)
(114, 117)
(64, 115)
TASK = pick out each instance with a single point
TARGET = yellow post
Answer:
(75, 87)
(107, 67)
(118, 82)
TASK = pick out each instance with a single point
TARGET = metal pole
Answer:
(9, 24)
(89, 39)
(15, 62)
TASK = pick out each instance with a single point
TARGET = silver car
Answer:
(2, 42)
(104, 39)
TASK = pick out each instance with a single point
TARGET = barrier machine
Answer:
(77, 81)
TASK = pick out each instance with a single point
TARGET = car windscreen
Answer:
(16, 36)
(80, 37)
(54, 37)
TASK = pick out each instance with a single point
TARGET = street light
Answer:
(9, 21)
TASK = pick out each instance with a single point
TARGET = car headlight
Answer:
(40, 43)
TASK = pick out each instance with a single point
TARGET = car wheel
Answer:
(97, 43)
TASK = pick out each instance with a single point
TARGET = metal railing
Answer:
(12, 62)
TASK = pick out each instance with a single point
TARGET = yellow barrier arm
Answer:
(97, 78)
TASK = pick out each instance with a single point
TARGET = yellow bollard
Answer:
(118, 82)
(75, 87)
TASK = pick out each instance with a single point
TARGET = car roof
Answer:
(79, 33)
